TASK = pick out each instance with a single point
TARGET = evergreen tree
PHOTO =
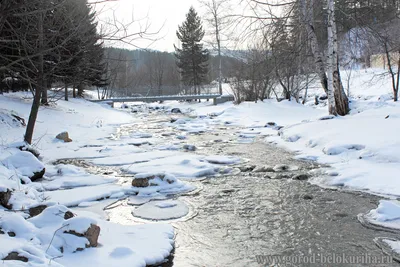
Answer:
(192, 58)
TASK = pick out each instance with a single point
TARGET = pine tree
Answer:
(192, 58)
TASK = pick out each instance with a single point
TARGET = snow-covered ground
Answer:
(44, 239)
(361, 152)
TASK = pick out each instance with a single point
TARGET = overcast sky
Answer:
(163, 14)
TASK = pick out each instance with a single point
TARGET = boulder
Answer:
(282, 176)
(29, 148)
(281, 168)
(142, 180)
(14, 256)
(264, 169)
(301, 177)
(270, 124)
(64, 136)
(176, 110)
(4, 198)
(91, 234)
(68, 215)
(26, 164)
(35, 211)
(37, 175)
(247, 168)
(189, 147)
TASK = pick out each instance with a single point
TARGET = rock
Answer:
(27, 164)
(323, 97)
(176, 110)
(1, 232)
(263, 169)
(167, 134)
(143, 179)
(64, 136)
(11, 234)
(14, 256)
(4, 198)
(281, 168)
(301, 177)
(327, 117)
(228, 191)
(35, 211)
(270, 124)
(181, 137)
(172, 120)
(141, 182)
(28, 148)
(283, 176)
(247, 168)
(278, 128)
(91, 234)
(37, 175)
(124, 106)
(267, 177)
(189, 147)
(308, 197)
(68, 215)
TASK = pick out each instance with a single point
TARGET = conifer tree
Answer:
(191, 57)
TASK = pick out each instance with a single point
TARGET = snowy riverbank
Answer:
(46, 238)
(361, 149)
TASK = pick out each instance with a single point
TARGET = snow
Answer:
(72, 197)
(387, 214)
(78, 224)
(24, 163)
(69, 176)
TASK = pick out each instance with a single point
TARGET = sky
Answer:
(162, 16)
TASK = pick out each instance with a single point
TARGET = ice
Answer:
(162, 210)
(181, 166)
(133, 158)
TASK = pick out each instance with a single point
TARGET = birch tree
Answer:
(216, 18)
(332, 84)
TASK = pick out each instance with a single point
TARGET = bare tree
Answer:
(217, 18)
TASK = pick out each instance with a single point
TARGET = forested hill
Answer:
(137, 71)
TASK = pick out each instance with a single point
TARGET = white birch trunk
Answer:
(332, 57)
(307, 9)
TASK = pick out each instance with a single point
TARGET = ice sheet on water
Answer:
(162, 210)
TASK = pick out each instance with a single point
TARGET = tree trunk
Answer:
(219, 58)
(80, 90)
(39, 88)
(331, 59)
(44, 100)
(308, 21)
(66, 92)
(340, 97)
(74, 90)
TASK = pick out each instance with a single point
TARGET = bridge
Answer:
(217, 98)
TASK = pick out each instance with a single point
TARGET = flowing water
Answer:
(240, 219)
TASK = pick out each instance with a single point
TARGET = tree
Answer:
(191, 57)
(338, 103)
(217, 20)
